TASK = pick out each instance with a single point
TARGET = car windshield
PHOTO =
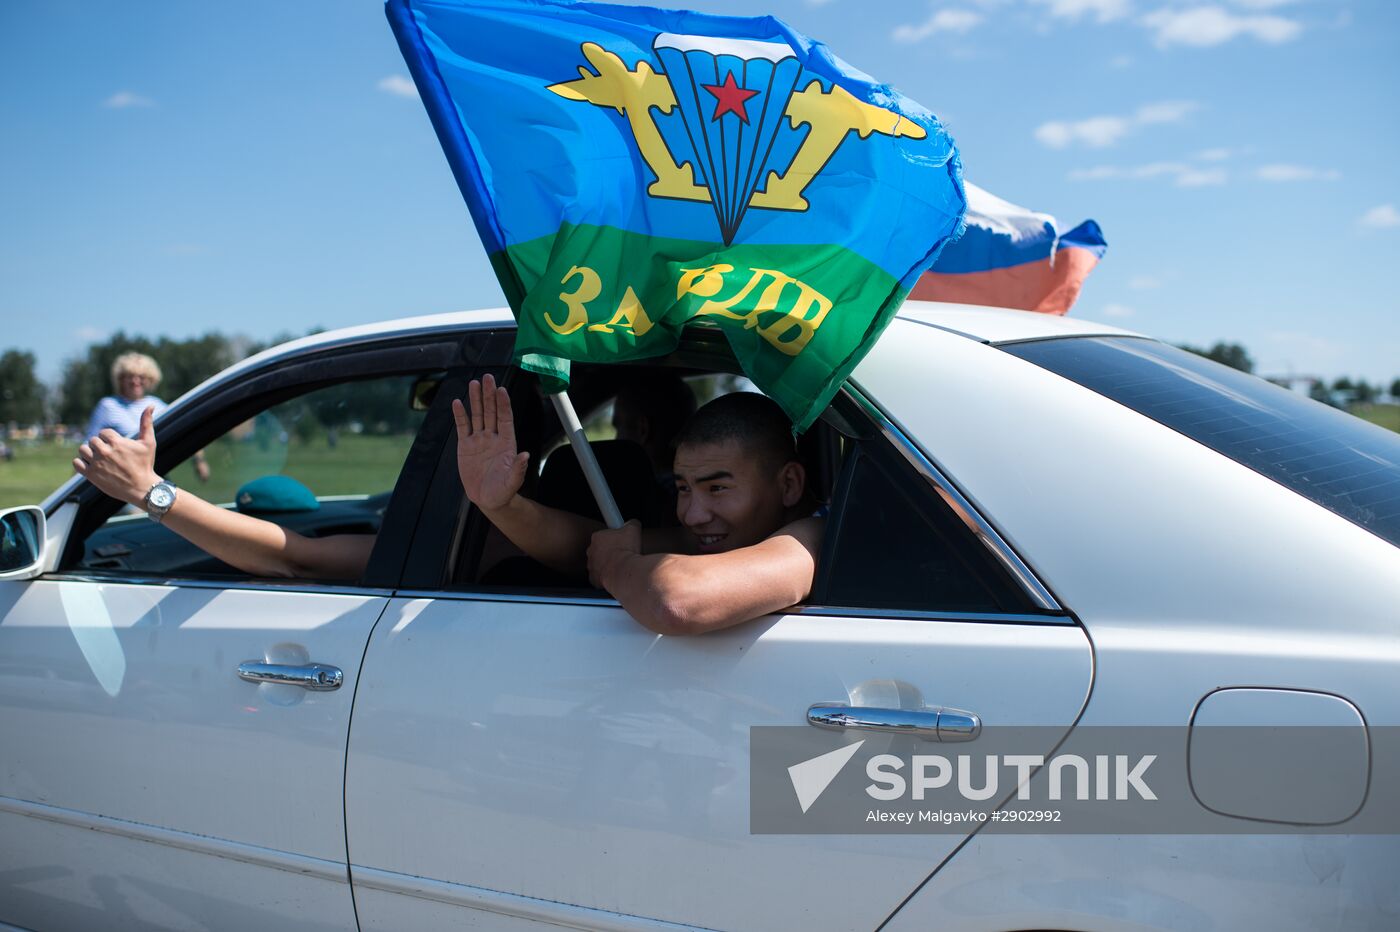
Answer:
(1343, 463)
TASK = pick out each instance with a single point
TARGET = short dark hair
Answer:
(754, 420)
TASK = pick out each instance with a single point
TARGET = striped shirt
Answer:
(121, 414)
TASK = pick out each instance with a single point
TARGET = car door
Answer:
(144, 783)
(533, 756)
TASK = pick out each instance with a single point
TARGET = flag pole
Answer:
(564, 407)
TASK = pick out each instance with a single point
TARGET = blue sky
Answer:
(264, 167)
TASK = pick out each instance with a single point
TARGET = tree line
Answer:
(25, 400)
(1342, 391)
(374, 406)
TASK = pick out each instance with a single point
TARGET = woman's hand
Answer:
(121, 467)
(490, 468)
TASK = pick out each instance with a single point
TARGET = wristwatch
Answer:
(158, 500)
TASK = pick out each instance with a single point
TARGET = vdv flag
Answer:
(1013, 257)
(631, 170)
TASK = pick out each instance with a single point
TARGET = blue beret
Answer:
(275, 493)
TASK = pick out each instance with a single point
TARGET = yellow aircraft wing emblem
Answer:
(832, 115)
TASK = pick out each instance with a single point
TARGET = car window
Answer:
(1343, 463)
(896, 545)
(336, 452)
(892, 542)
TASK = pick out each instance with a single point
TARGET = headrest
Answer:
(275, 494)
(627, 468)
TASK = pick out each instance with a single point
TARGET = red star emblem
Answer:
(729, 98)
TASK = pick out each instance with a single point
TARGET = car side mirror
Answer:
(22, 535)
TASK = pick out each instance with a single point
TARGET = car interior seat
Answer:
(628, 470)
(562, 485)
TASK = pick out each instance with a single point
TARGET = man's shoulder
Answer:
(808, 527)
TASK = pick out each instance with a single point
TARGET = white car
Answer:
(1038, 521)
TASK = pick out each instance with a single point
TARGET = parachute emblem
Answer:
(722, 123)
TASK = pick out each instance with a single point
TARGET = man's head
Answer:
(738, 478)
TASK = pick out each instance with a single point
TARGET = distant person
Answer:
(134, 377)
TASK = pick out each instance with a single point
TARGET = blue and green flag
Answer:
(633, 170)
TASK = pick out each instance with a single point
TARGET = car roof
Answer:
(984, 324)
(1002, 325)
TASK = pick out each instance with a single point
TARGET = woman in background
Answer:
(134, 377)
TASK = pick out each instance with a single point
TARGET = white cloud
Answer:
(1120, 61)
(1382, 217)
(1214, 155)
(1095, 132)
(1168, 111)
(1101, 131)
(1118, 310)
(398, 85)
(1263, 4)
(1205, 26)
(1144, 283)
(1296, 173)
(1159, 170)
(1102, 11)
(943, 20)
(89, 334)
(1184, 176)
(1097, 173)
(121, 100)
(1200, 177)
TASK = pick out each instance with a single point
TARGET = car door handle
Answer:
(929, 724)
(317, 676)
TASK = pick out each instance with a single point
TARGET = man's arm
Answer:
(125, 469)
(492, 472)
(684, 594)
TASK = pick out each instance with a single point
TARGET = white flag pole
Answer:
(599, 485)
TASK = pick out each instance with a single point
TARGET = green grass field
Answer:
(357, 465)
(33, 473)
(1388, 416)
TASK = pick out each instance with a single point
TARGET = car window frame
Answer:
(216, 408)
(877, 442)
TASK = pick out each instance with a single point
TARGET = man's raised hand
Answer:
(487, 462)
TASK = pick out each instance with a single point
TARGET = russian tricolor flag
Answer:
(1012, 257)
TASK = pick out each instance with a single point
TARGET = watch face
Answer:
(162, 497)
